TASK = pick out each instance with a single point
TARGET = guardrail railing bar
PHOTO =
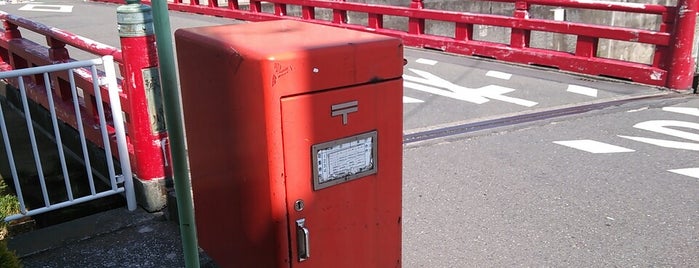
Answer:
(57, 135)
(49, 68)
(11, 159)
(103, 127)
(120, 131)
(32, 139)
(65, 204)
(81, 131)
(118, 123)
(75, 156)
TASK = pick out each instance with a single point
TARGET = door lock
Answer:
(299, 205)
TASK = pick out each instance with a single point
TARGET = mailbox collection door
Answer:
(342, 157)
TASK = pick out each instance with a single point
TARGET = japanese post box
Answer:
(294, 134)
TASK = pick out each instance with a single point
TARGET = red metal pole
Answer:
(146, 127)
(681, 71)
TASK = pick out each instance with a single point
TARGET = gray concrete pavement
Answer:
(613, 187)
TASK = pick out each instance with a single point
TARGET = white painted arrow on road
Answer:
(433, 84)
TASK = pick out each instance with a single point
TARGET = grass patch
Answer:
(8, 206)
(7, 257)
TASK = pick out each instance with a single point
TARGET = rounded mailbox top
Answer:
(292, 52)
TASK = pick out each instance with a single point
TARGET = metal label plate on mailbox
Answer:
(343, 160)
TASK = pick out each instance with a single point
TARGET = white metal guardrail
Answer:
(119, 183)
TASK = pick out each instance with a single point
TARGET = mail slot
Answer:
(294, 133)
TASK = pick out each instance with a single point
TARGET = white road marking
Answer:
(411, 100)
(499, 75)
(665, 143)
(47, 8)
(426, 61)
(433, 84)
(445, 93)
(587, 91)
(691, 172)
(683, 110)
(496, 93)
(594, 147)
(662, 127)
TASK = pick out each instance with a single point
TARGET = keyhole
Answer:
(298, 205)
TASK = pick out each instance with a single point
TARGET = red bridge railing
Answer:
(145, 147)
(671, 65)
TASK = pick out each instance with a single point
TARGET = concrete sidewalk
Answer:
(114, 238)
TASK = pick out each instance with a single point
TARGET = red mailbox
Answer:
(294, 134)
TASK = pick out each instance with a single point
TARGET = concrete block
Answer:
(151, 194)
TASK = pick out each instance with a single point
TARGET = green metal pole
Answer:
(173, 119)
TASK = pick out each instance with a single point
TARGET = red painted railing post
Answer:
(375, 21)
(339, 15)
(463, 31)
(662, 53)
(308, 13)
(586, 46)
(681, 67)
(279, 9)
(11, 30)
(146, 127)
(520, 38)
(416, 25)
(233, 4)
(255, 6)
(57, 50)
(59, 53)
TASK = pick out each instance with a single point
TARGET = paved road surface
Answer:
(591, 190)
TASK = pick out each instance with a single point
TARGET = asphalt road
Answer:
(611, 186)
(519, 197)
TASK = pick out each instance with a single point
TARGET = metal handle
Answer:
(302, 240)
